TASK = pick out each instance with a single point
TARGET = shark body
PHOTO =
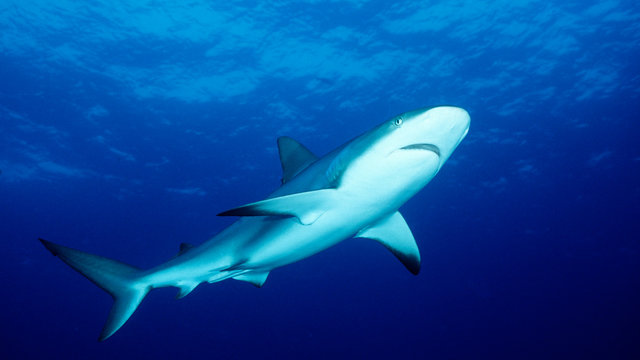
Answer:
(354, 191)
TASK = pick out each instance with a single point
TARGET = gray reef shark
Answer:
(354, 191)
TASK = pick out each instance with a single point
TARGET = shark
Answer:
(354, 191)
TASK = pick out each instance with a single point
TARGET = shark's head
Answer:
(402, 154)
(438, 130)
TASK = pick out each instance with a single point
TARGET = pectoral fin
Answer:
(306, 206)
(255, 278)
(394, 233)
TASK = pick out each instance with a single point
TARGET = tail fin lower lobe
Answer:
(120, 280)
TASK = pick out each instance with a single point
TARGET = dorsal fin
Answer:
(294, 157)
(184, 247)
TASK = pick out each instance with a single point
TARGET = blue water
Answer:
(126, 126)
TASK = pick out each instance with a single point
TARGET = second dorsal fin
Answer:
(294, 157)
(184, 247)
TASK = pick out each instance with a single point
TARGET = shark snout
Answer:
(456, 118)
(453, 121)
(445, 127)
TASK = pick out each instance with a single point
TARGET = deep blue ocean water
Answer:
(126, 126)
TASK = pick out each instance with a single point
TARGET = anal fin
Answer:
(185, 289)
(255, 278)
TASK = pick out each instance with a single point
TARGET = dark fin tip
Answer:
(49, 246)
(225, 213)
(415, 270)
(410, 262)
(232, 212)
(246, 210)
(413, 265)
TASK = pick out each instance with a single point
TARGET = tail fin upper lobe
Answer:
(120, 280)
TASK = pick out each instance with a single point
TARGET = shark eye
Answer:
(397, 122)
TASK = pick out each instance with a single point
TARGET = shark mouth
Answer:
(425, 147)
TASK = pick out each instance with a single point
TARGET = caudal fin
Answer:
(120, 280)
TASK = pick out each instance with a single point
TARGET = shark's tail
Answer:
(120, 280)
